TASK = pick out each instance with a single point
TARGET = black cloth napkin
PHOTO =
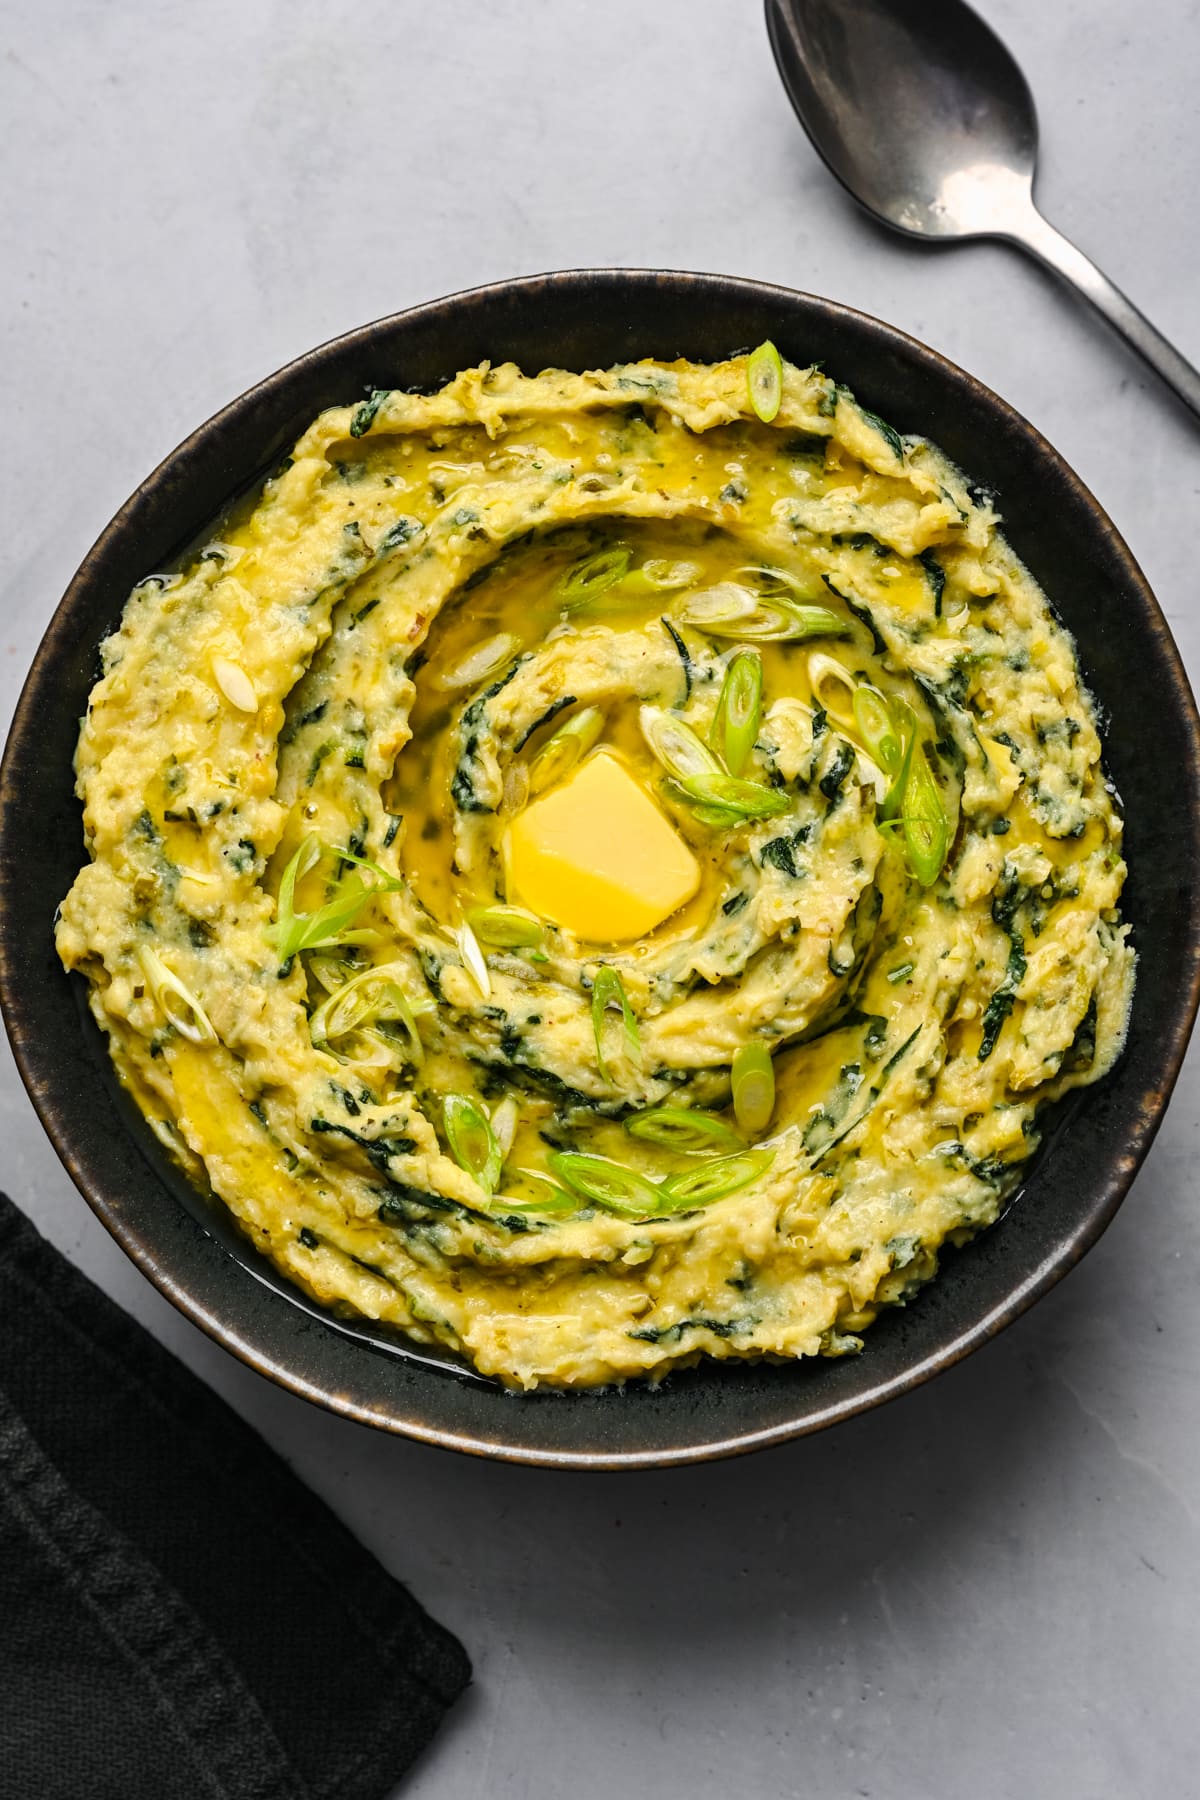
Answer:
(179, 1616)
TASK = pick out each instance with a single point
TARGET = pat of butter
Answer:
(598, 858)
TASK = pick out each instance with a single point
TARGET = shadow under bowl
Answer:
(189, 1246)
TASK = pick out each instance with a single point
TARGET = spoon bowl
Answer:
(925, 118)
(898, 111)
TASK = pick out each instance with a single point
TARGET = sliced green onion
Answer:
(506, 927)
(714, 1180)
(235, 684)
(660, 576)
(485, 659)
(556, 1200)
(713, 818)
(606, 1183)
(729, 610)
(877, 727)
(473, 959)
(560, 753)
(472, 1141)
(331, 923)
(712, 609)
(679, 1128)
(391, 882)
(899, 972)
(764, 380)
(739, 711)
(330, 972)
(926, 827)
(680, 750)
(753, 1079)
(607, 989)
(176, 1000)
(589, 577)
(516, 787)
(776, 582)
(812, 621)
(307, 856)
(729, 793)
(833, 687)
(506, 1116)
(906, 724)
(372, 998)
(913, 811)
(368, 1050)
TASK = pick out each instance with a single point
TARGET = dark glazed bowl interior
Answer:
(583, 320)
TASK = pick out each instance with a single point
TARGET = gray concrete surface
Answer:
(990, 1588)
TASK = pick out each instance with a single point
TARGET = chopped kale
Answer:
(997, 1010)
(818, 1133)
(902, 1250)
(405, 1205)
(722, 1328)
(551, 712)
(873, 1093)
(403, 531)
(378, 1151)
(862, 540)
(242, 855)
(475, 712)
(1001, 1003)
(937, 579)
(861, 612)
(684, 656)
(779, 853)
(318, 757)
(806, 444)
(1081, 1053)
(364, 413)
(831, 782)
(888, 432)
(462, 792)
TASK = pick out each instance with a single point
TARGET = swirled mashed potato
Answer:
(379, 971)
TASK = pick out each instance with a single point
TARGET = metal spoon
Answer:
(921, 112)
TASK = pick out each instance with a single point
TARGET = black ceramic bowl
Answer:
(188, 1246)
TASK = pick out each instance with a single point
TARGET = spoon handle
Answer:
(1050, 246)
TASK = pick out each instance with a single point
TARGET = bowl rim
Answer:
(156, 1264)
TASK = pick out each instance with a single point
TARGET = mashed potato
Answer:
(592, 878)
